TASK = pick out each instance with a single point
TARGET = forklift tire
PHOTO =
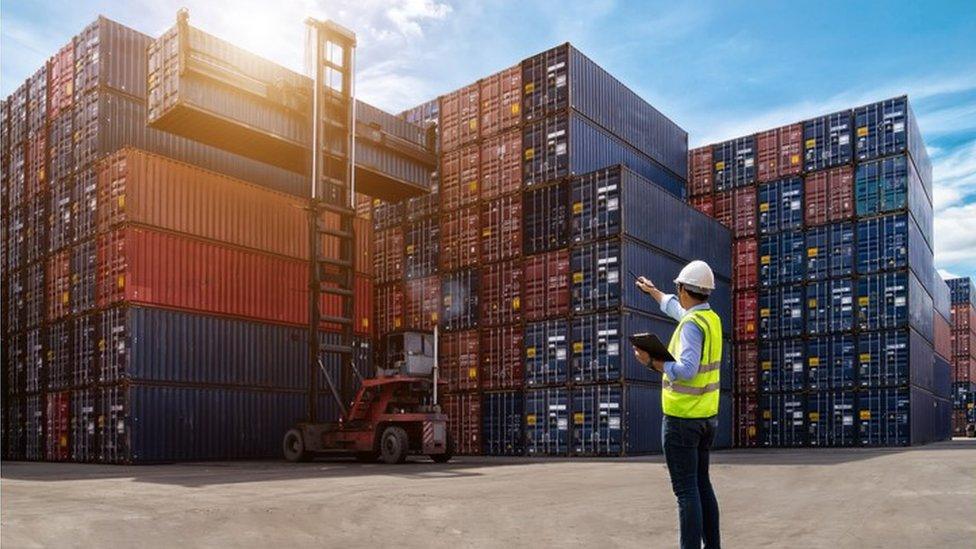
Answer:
(394, 445)
(293, 446)
(448, 453)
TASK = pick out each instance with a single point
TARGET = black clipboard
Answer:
(650, 344)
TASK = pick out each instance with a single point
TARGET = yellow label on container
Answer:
(529, 153)
(530, 352)
(515, 108)
(865, 357)
(101, 344)
(577, 347)
(577, 207)
(397, 322)
(764, 312)
(63, 441)
(764, 207)
(862, 131)
(750, 327)
(365, 322)
(516, 303)
(433, 317)
(473, 187)
(448, 300)
(720, 165)
(865, 414)
(376, 202)
(764, 260)
(410, 248)
(767, 414)
(473, 124)
(121, 281)
(64, 298)
(794, 159)
(486, 231)
(577, 277)
(812, 303)
(472, 373)
(530, 87)
(814, 416)
(751, 430)
(767, 365)
(121, 201)
(578, 417)
(812, 252)
(810, 143)
(814, 361)
(530, 419)
(863, 300)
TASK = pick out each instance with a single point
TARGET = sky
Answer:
(718, 69)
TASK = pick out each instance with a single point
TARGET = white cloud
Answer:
(954, 175)
(955, 236)
(946, 275)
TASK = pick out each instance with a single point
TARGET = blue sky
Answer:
(719, 69)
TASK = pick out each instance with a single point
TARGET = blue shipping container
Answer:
(895, 358)
(832, 362)
(830, 251)
(782, 419)
(545, 218)
(894, 242)
(830, 306)
(618, 202)
(894, 300)
(941, 378)
(889, 127)
(616, 419)
(602, 350)
(781, 205)
(501, 415)
(942, 298)
(781, 312)
(546, 353)
(827, 141)
(892, 185)
(831, 418)
(459, 300)
(782, 258)
(547, 422)
(734, 163)
(963, 290)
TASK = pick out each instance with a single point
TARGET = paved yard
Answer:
(920, 497)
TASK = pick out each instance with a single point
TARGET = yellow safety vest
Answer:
(696, 397)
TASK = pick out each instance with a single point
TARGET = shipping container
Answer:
(747, 424)
(895, 417)
(789, 365)
(501, 357)
(37, 168)
(744, 215)
(783, 423)
(34, 443)
(601, 349)
(546, 285)
(562, 78)
(58, 285)
(566, 145)
(547, 351)
(15, 432)
(459, 178)
(745, 254)
(35, 297)
(781, 206)
(61, 81)
(830, 306)
(894, 358)
(735, 163)
(84, 421)
(781, 312)
(942, 337)
(779, 153)
(426, 205)
(460, 238)
(700, 171)
(782, 259)
(388, 255)
(422, 303)
(615, 201)
(963, 315)
(501, 165)
(830, 251)
(832, 362)
(502, 415)
(422, 246)
(464, 422)
(460, 360)
(963, 290)
(36, 229)
(746, 368)
(829, 196)
(389, 308)
(61, 208)
(58, 355)
(546, 219)
(893, 185)
(37, 103)
(894, 300)
(547, 422)
(942, 298)
(18, 114)
(459, 117)
(501, 293)
(459, 300)
(827, 141)
(86, 348)
(616, 419)
(501, 228)
(942, 378)
(889, 127)
(724, 208)
(107, 54)
(830, 417)
(705, 204)
(423, 115)
(387, 214)
(746, 321)
(501, 101)
(57, 428)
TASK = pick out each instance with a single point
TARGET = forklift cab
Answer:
(407, 353)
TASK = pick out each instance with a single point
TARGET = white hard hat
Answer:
(698, 277)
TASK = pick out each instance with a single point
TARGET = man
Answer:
(689, 397)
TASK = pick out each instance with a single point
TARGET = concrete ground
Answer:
(919, 497)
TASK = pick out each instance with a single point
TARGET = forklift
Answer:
(396, 413)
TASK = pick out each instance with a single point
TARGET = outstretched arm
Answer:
(669, 302)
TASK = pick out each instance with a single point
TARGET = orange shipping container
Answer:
(501, 105)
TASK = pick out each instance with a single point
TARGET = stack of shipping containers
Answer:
(834, 278)
(548, 172)
(963, 354)
(155, 288)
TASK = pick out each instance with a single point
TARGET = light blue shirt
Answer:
(691, 339)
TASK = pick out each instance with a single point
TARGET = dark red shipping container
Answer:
(61, 81)
(501, 165)
(59, 285)
(723, 208)
(501, 228)
(58, 426)
(459, 114)
(546, 285)
(501, 357)
(700, 173)
(389, 308)
(143, 266)
(746, 315)
(963, 369)
(423, 303)
(746, 264)
(744, 217)
(36, 166)
(829, 195)
(501, 101)
(501, 293)
(963, 316)
(746, 368)
(388, 255)
(460, 178)
(460, 238)
(962, 342)
(779, 152)
(464, 421)
(943, 337)
(365, 244)
(459, 359)
(705, 204)
(747, 421)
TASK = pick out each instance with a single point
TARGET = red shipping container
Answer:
(58, 426)
(746, 264)
(459, 359)
(779, 152)
(459, 113)
(964, 369)
(943, 337)
(365, 244)
(501, 228)
(423, 301)
(501, 101)
(388, 255)
(501, 357)
(746, 368)
(746, 421)
(962, 343)
(700, 172)
(723, 208)
(546, 285)
(460, 238)
(364, 206)
(501, 165)
(389, 308)
(744, 218)
(704, 204)
(459, 178)
(36, 175)
(746, 315)
(501, 293)
(829, 196)
(59, 285)
(61, 81)
(963, 316)
(464, 422)
(959, 423)
(143, 266)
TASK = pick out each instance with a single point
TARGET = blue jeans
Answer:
(686, 444)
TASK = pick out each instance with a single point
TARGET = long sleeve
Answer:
(672, 307)
(689, 361)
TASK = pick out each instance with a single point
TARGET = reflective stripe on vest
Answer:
(697, 397)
